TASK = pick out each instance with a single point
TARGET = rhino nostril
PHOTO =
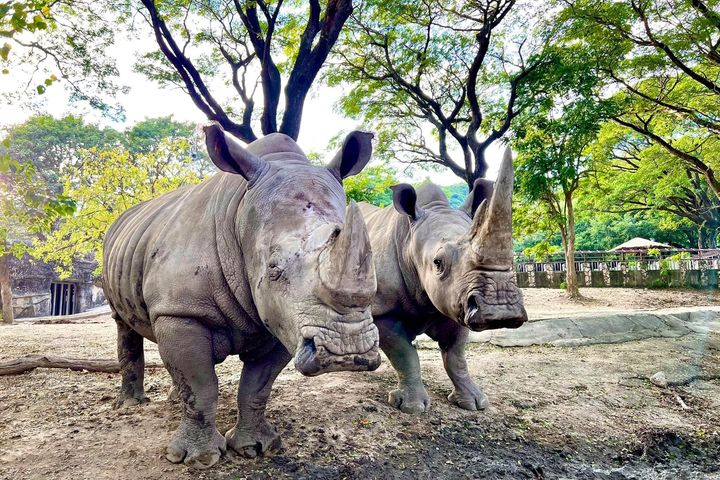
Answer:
(309, 346)
(472, 306)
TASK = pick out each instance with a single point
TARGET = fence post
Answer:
(606, 273)
(531, 274)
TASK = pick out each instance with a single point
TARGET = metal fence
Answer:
(675, 259)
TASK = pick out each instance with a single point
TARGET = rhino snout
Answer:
(343, 344)
(481, 315)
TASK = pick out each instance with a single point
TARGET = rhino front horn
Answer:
(347, 273)
(491, 230)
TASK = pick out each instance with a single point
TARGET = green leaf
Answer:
(5, 51)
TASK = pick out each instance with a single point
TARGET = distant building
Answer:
(37, 290)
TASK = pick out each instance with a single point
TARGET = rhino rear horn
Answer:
(347, 273)
(491, 230)
(229, 156)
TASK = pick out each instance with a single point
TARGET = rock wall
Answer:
(31, 286)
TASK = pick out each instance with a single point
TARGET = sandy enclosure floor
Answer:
(550, 302)
(572, 412)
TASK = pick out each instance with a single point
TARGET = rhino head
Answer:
(307, 257)
(463, 257)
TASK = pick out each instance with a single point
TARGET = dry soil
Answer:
(571, 412)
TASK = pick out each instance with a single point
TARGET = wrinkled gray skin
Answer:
(443, 271)
(258, 261)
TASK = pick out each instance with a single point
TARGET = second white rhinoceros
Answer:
(443, 271)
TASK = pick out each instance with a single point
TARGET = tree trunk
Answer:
(31, 362)
(5, 289)
(707, 237)
(571, 274)
(294, 101)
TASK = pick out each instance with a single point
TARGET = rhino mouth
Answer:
(480, 315)
(341, 345)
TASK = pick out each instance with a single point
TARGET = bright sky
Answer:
(147, 99)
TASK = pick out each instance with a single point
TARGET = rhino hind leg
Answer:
(132, 365)
(186, 350)
(253, 435)
(452, 338)
(396, 343)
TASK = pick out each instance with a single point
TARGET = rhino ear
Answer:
(353, 155)
(405, 200)
(229, 156)
(482, 190)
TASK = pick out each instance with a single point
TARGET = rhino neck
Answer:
(227, 203)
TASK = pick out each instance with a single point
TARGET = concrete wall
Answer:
(637, 277)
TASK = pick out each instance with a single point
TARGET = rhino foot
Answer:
(255, 442)
(410, 399)
(126, 400)
(194, 449)
(471, 397)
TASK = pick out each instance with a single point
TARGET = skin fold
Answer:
(442, 271)
(263, 261)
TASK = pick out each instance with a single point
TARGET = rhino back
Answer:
(162, 259)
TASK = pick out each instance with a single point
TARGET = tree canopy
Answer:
(440, 81)
(105, 183)
(256, 47)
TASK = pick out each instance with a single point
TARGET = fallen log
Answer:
(31, 362)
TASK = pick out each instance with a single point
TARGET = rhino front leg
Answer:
(132, 365)
(451, 338)
(186, 350)
(396, 342)
(252, 435)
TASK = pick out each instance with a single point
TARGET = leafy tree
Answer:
(552, 140)
(54, 144)
(24, 209)
(50, 143)
(640, 176)
(603, 231)
(147, 134)
(537, 237)
(456, 194)
(30, 193)
(248, 45)
(36, 158)
(662, 57)
(372, 185)
(104, 184)
(441, 81)
(60, 41)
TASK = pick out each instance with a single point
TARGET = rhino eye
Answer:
(439, 264)
(274, 271)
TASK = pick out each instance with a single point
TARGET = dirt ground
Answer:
(556, 412)
(550, 302)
